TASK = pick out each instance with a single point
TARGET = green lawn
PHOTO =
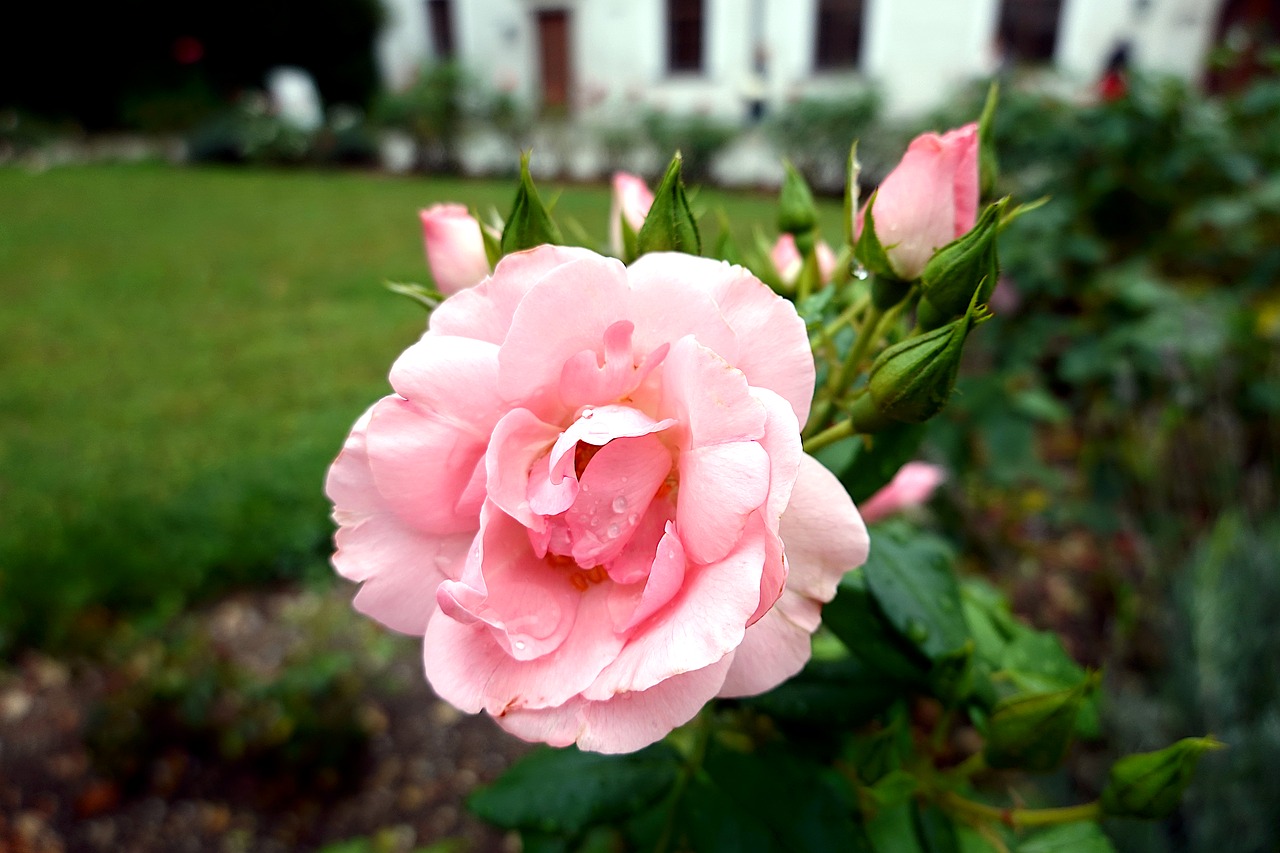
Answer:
(181, 354)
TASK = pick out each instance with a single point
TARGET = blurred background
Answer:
(199, 204)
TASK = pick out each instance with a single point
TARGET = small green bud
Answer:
(670, 225)
(797, 213)
(530, 223)
(968, 262)
(911, 381)
(988, 165)
(1150, 784)
(1033, 731)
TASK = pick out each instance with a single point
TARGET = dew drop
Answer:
(613, 531)
(632, 518)
(519, 645)
(860, 272)
(619, 504)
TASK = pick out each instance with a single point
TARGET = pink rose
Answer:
(455, 247)
(631, 200)
(911, 486)
(588, 493)
(788, 262)
(928, 200)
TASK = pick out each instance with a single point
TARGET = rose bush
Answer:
(454, 246)
(588, 493)
(929, 199)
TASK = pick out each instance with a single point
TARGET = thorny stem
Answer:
(1017, 817)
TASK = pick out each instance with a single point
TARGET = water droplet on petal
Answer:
(619, 504)
(613, 531)
(632, 518)
(860, 272)
(519, 645)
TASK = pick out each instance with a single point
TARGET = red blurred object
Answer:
(187, 50)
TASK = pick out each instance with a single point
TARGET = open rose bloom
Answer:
(588, 494)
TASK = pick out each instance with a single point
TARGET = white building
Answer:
(590, 57)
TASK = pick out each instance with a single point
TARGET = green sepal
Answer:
(1150, 784)
(912, 380)
(492, 238)
(427, 297)
(868, 249)
(1033, 731)
(797, 214)
(988, 164)
(630, 248)
(530, 223)
(853, 169)
(962, 271)
(670, 225)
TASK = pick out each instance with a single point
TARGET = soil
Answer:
(421, 760)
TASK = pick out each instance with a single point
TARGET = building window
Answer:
(838, 32)
(1029, 29)
(440, 18)
(684, 35)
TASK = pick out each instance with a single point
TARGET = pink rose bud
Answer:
(788, 262)
(455, 247)
(588, 495)
(928, 200)
(631, 200)
(911, 486)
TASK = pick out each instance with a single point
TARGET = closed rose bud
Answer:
(787, 260)
(911, 486)
(455, 247)
(928, 200)
(1150, 784)
(631, 202)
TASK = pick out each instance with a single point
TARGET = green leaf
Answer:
(1084, 837)
(670, 225)
(893, 830)
(1151, 784)
(797, 214)
(770, 800)
(937, 832)
(871, 253)
(909, 574)
(563, 791)
(840, 693)
(530, 223)
(427, 297)
(856, 619)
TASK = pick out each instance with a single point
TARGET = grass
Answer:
(181, 355)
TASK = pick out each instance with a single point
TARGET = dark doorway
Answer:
(553, 45)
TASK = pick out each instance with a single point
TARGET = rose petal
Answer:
(625, 723)
(774, 648)
(720, 487)
(822, 532)
(519, 441)
(613, 493)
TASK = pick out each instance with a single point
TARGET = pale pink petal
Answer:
(786, 258)
(773, 346)
(519, 441)
(826, 261)
(456, 379)
(599, 426)
(774, 648)
(633, 564)
(468, 667)
(613, 493)
(671, 297)
(530, 603)
(566, 312)
(911, 486)
(455, 247)
(484, 312)
(720, 486)
(708, 397)
(349, 483)
(702, 624)
(423, 466)
(822, 532)
(666, 575)
(627, 722)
